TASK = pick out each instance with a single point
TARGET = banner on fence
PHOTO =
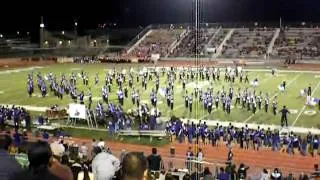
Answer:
(155, 57)
(77, 111)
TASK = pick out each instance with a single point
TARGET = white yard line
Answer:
(293, 80)
(249, 118)
(202, 117)
(276, 94)
(304, 106)
(20, 70)
(178, 107)
(266, 79)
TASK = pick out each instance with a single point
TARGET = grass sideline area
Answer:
(95, 134)
(13, 91)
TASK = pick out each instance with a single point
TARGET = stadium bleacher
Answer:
(157, 42)
(250, 43)
(217, 40)
(297, 42)
(187, 46)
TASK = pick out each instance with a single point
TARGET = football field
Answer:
(13, 90)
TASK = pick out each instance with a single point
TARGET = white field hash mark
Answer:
(276, 94)
(304, 107)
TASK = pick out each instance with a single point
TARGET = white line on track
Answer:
(304, 107)
(276, 94)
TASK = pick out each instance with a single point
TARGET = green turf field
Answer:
(13, 90)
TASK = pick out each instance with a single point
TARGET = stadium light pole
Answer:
(41, 32)
(76, 30)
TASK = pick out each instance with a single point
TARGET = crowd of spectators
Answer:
(86, 59)
(248, 43)
(188, 46)
(65, 159)
(157, 42)
(218, 39)
(300, 43)
(118, 59)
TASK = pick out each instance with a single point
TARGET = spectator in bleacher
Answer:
(65, 160)
(39, 157)
(154, 161)
(200, 157)
(94, 143)
(76, 167)
(169, 176)
(45, 136)
(290, 177)
(186, 177)
(85, 174)
(22, 157)
(304, 177)
(84, 151)
(9, 165)
(58, 169)
(242, 172)
(134, 166)
(101, 143)
(17, 138)
(57, 148)
(264, 175)
(316, 172)
(104, 165)
(276, 175)
(223, 175)
(123, 153)
(189, 158)
(207, 175)
(231, 170)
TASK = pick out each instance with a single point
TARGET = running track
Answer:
(256, 160)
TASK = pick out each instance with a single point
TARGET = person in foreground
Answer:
(134, 167)
(39, 158)
(8, 164)
(104, 165)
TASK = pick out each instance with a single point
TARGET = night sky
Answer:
(25, 15)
